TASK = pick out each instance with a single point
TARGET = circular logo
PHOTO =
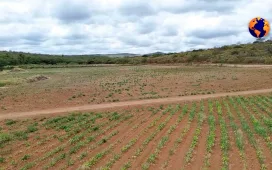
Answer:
(259, 27)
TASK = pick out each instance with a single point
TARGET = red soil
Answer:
(138, 127)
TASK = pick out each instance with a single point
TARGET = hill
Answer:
(253, 53)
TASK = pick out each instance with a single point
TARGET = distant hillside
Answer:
(107, 55)
(255, 53)
(120, 55)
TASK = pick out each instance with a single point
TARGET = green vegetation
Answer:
(224, 142)
(25, 157)
(152, 137)
(211, 137)
(201, 119)
(258, 52)
(239, 139)
(251, 137)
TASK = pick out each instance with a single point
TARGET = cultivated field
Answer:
(223, 133)
(45, 88)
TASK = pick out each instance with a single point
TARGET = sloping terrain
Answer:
(252, 53)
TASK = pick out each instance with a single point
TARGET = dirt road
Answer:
(242, 65)
(127, 103)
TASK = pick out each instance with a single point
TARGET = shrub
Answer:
(10, 122)
(4, 138)
(31, 128)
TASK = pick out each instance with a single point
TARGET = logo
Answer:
(259, 27)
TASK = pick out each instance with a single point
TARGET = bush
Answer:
(9, 121)
(233, 60)
(31, 128)
(222, 54)
(268, 60)
(3, 63)
(4, 138)
(234, 52)
(21, 135)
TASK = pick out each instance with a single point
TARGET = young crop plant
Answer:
(118, 155)
(74, 149)
(185, 130)
(268, 99)
(28, 166)
(97, 157)
(159, 128)
(259, 129)
(264, 109)
(239, 139)
(164, 139)
(25, 157)
(55, 160)
(246, 128)
(192, 113)
(10, 122)
(76, 138)
(126, 166)
(266, 120)
(211, 136)
(115, 158)
(94, 160)
(77, 142)
(129, 145)
(201, 118)
(105, 139)
(100, 155)
(224, 141)
(265, 101)
(126, 147)
(152, 158)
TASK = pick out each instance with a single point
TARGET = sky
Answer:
(126, 26)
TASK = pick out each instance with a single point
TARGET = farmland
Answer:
(168, 117)
(219, 133)
(45, 88)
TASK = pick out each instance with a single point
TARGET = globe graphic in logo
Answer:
(259, 27)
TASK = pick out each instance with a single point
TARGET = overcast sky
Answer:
(126, 26)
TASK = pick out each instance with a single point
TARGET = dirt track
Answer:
(242, 65)
(127, 103)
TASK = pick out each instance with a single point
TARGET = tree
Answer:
(21, 58)
(3, 63)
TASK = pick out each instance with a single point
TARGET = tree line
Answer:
(254, 53)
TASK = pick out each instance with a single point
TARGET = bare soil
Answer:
(127, 104)
(71, 87)
(46, 139)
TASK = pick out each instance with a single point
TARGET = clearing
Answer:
(70, 87)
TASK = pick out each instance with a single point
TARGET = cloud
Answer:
(146, 26)
(209, 33)
(117, 26)
(219, 6)
(169, 31)
(142, 41)
(136, 8)
(71, 11)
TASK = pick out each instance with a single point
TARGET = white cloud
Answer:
(117, 26)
